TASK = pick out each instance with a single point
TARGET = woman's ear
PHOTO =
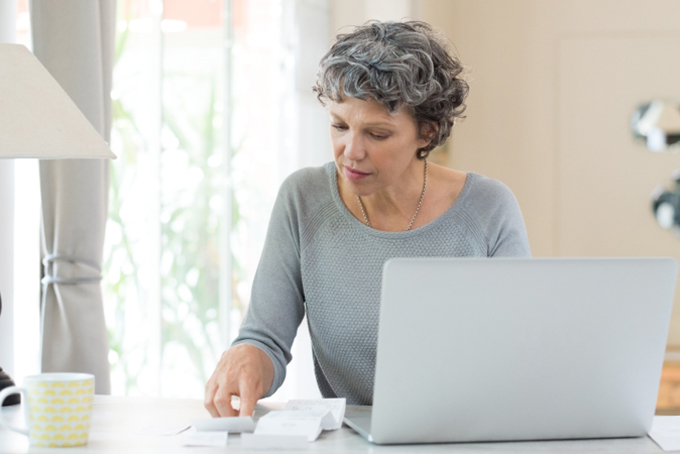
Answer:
(428, 131)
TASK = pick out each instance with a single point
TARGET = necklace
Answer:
(420, 202)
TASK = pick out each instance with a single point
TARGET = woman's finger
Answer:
(248, 399)
(210, 389)
(222, 402)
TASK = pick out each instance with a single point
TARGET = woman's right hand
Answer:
(244, 371)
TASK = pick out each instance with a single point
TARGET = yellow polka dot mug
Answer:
(58, 408)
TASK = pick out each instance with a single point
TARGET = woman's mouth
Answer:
(355, 175)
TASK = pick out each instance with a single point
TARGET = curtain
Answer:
(74, 40)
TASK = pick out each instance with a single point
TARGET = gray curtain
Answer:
(75, 42)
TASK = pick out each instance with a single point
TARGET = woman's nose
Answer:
(354, 148)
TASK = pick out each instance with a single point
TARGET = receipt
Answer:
(291, 423)
(665, 432)
(336, 407)
(232, 424)
(164, 430)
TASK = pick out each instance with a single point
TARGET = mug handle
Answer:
(3, 395)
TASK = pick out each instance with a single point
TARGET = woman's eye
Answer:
(379, 136)
(339, 127)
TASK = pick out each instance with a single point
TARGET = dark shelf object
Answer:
(5, 381)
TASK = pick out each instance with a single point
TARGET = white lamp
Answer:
(39, 120)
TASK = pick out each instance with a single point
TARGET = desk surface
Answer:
(118, 424)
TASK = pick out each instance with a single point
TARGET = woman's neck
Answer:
(391, 208)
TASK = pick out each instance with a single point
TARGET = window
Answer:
(208, 99)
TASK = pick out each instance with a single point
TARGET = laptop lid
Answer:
(520, 349)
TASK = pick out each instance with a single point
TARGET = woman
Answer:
(393, 93)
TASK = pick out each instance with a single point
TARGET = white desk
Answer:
(117, 422)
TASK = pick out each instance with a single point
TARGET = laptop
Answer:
(500, 349)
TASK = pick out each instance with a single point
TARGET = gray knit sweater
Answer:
(320, 260)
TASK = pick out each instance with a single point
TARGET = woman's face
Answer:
(373, 149)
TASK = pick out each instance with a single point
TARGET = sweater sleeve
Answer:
(501, 219)
(277, 299)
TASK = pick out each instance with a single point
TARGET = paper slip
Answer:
(335, 406)
(300, 423)
(205, 439)
(666, 432)
(274, 442)
(232, 424)
(164, 430)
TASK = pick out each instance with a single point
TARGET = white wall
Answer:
(553, 85)
(346, 13)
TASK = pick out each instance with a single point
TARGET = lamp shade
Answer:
(37, 118)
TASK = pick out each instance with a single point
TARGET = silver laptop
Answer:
(518, 349)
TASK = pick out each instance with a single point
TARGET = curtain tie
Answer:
(49, 278)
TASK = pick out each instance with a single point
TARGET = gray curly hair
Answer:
(398, 64)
